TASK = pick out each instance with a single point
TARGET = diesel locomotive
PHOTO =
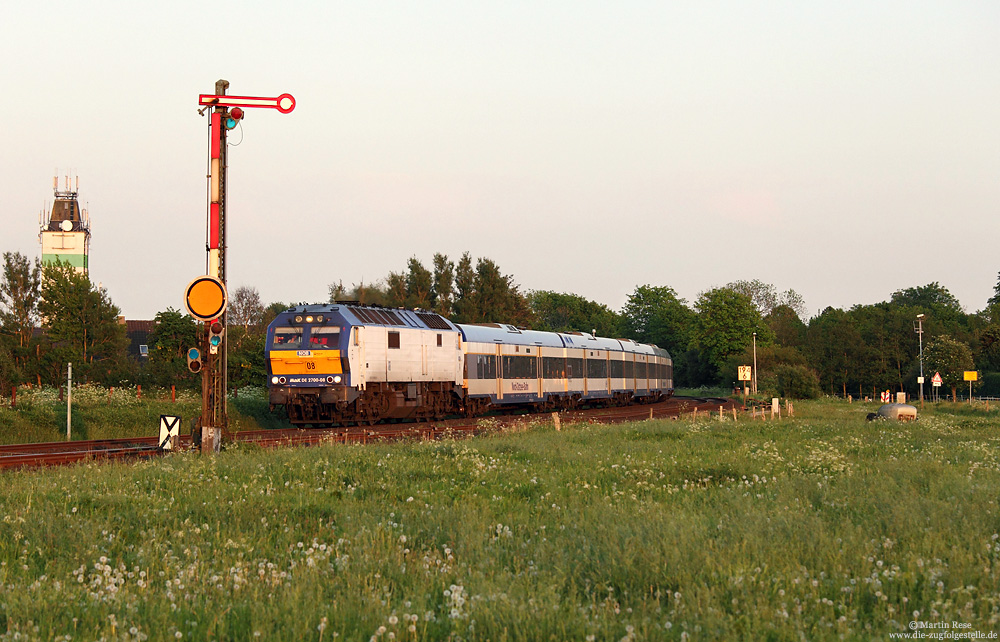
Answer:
(336, 364)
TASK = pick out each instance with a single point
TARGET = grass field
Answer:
(821, 527)
(99, 413)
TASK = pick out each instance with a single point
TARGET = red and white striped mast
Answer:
(227, 112)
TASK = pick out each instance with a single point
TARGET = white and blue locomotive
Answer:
(349, 363)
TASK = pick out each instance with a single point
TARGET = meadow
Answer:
(39, 414)
(820, 527)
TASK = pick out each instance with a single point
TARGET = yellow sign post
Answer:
(970, 376)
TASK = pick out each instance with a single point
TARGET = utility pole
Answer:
(920, 337)
(755, 363)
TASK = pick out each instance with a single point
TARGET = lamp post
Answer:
(920, 338)
(755, 363)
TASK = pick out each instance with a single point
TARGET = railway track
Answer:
(64, 453)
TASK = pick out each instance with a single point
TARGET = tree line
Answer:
(51, 315)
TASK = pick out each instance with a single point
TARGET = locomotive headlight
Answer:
(274, 380)
(337, 379)
(309, 319)
(298, 318)
(319, 318)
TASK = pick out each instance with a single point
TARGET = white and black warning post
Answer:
(170, 432)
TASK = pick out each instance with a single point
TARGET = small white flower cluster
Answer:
(456, 602)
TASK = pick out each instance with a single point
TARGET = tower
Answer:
(66, 235)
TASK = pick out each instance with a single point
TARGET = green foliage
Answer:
(655, 314)
(443, 290)
(82, 324)
(556, 312)
(766, 297)
(20, 292)
(419, 285)
(245, 309)
(796, 382)
(949, 357)
(486, 295)
(173, 335)
(246, 358)
(786, 326)
(727, 321)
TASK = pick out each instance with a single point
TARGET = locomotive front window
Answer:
(325, 338)
(287, 339)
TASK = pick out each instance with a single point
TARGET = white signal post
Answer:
(227, 111)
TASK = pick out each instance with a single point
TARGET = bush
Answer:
(797, 382)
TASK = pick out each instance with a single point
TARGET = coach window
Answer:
(394, 340)
(287, 338)
(324, 338)
(439, 340)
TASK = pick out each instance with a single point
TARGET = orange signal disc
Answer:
(206, 298)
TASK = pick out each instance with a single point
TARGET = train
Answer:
(349, 363)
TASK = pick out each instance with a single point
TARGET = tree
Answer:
(837, 350)
(555, 312)
(82, 323)
(336, 292)
(727, 320)
(788, 328)
(496, 298)
(419, 285)
(763, 295)
(797, 382)
(174, 334)
(20, 291)
(991, 312)
(766, 297)
(465, 283)
(443, 290)
(655, 314)
(949, 357)
(395, 290)
(932, 295)
(245, 309)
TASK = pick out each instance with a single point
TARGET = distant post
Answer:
(69, 400)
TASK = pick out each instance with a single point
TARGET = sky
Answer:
(842, 149)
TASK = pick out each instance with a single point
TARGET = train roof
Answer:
(508, 334)
(502, 333)
(377, 316)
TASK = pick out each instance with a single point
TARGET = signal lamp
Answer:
(194, 359)
(234, 117)
(215, 333)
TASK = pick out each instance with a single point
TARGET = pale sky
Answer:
(841, 149)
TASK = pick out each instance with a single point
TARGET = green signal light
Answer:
(194, 354)
(216, 341)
